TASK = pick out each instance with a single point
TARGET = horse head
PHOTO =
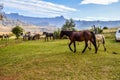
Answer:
(44, 33)
(61, 34)
(67, 33)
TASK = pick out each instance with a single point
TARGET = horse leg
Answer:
(89, 47)
(7, 38)
(28, 37)
(103, 42)
(46, 38)
(52, 38)
(86, 45)
(104, 47)
(98, 44)
(70, 46)
(74, 47)
(94, 43)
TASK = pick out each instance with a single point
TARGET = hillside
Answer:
(57, 21)
(8, 24)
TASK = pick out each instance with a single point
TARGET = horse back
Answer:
(78, 36)
(100, 38)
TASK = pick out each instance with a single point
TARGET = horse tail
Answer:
(103, 38)
(94, 41)
(94, 38)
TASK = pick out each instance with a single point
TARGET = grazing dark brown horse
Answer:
(80, 36)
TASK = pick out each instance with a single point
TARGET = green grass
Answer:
(40, 60)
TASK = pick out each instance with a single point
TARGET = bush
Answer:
(96, 30)
(100, 30)
(57, 34)
(17, 31)
(105, 27)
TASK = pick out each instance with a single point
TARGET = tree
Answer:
(17, 31)
(57, 34)
(105, 27)
(97, 30)
(69, 25)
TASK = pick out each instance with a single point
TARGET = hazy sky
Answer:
(76, 9)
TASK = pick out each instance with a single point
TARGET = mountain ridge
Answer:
(60, 20)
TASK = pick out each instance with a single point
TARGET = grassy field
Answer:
(40, 60)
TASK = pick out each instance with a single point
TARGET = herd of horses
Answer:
(31, 36)
(87, 36)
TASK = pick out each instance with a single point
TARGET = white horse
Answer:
(100, 39)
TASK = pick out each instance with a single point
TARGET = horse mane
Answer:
(68, 33)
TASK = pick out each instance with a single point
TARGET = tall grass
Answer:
(40, 60)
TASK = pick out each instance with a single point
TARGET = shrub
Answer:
(17, 31)
(105, 27)
(57, 34)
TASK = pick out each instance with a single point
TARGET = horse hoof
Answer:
(114, 53)
(90, 49)
(105, 49)
(82, 51)
(74, 51)
(96, 52)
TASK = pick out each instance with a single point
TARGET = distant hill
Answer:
(7, 24)
(57, 21)
(60, 20)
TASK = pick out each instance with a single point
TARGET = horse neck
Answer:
(44, 33)
(68, 33)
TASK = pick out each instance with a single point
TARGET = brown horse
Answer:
(80, 36)
(36, 37)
